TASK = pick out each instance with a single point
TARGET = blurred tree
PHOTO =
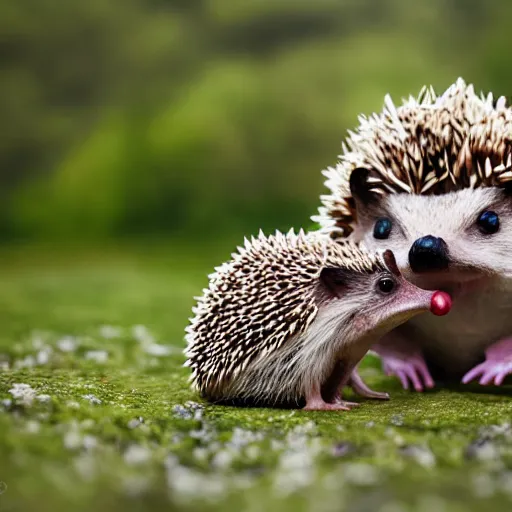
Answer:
(129, 116)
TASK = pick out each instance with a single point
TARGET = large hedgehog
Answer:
(431, 179)
(287, 320)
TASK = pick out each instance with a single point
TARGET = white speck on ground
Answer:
(26, 362)
(253, 452)
(73, 440)
(483, 485)
(99, 356)
(85, 465)
(186, 484)
(37, 342)
(295, 471)
(361, 474)
(134, 423)
(200, 453)
(223, 459)
(241, 438)
(483, 450)
(136, 454)
(142, 334)
(135, 485)
(23, 394)
(32, 427)
(43, 356)
(67, 344)
(110, 332)
(154, 349)
(92, 399)
(421, 454)
(89, 442)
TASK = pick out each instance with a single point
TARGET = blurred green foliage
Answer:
(209, 116)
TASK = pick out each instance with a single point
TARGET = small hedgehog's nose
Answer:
(428, 253)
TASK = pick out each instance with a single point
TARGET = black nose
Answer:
(428, 253)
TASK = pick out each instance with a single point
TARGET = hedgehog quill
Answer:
(431, 180)
(289, 317)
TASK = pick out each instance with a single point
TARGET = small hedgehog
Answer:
(289, 318)
(431, 180)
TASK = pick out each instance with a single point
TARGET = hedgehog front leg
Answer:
(315, 402)
(326, 396)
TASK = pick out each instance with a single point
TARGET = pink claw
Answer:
(496, 367)
(402, 358)
(412, 369)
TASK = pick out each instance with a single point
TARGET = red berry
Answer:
(441, 303)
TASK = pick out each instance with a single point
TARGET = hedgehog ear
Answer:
(390, 261)
(335, 280)
(359, 186)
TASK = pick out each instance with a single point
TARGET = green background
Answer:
(140, 140)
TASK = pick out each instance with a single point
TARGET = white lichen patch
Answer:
(72, 440)
(32, 427)
(110, 332)
(26, 362)
(142, 335)
(98, 356)
(92, 399)
(136, 485)
(67, 344)
(135, 422)
(136, 455)
(361, 474)
(23, 394)
(223, 459)
(421, 454)
(86, 466)
(158, 350)
(103, 347)
(89, 442)
(43, 356)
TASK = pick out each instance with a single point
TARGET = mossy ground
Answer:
(96, 413)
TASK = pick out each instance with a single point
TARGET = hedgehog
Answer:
(431, 180)
(287, 320)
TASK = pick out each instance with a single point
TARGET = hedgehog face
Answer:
(377, 301)
(428, 179)
(444, 240)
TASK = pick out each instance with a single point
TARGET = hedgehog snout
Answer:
(429, 253)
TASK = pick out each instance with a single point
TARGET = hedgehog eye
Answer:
(386, 285)
(488, 222)
(382, 228)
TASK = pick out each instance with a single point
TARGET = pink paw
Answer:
(497, 365)
(411, 368)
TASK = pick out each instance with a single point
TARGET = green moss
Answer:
(114, 431)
